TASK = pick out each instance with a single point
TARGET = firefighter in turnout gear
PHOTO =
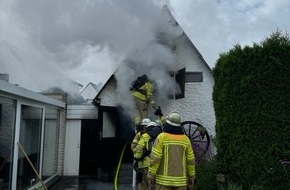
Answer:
(142, 152)
(142, 91)
(172, 165)
(140, 129)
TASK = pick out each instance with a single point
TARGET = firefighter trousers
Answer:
(141, 110)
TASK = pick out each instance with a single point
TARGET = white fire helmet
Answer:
(158, 122)
(152, 123)
(145, 121)
(174, 118)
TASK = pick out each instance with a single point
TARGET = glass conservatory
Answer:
(30, 126)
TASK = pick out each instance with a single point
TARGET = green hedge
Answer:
(252, 105)
(206, 175)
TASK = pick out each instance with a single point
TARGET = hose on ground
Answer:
(118, 168)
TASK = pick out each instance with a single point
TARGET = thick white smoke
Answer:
(157, 59)
(46, 43)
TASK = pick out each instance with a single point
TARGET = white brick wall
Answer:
(197, 104)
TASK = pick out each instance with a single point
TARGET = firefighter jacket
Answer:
(139, 150)
(145, 93)
(135, 140)
(172, 160)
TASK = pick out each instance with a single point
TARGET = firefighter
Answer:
(142, 152)
(140, 129)
(142, 92)
(172, 164)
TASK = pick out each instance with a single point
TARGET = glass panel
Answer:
(30, 135)
(50, 149)
(7, 127)
(193, 77)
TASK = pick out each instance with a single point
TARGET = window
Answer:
(183, 77)
(193, 77)
(30, 136)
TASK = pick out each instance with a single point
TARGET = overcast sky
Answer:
(215, 26)
(85, 40)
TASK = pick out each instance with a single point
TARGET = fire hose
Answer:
(118, 168)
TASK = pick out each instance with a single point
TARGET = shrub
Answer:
(205, 175)
(232, 186)
(251, 102)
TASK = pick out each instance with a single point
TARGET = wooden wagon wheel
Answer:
(199, 138)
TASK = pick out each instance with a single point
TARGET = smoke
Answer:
(157, 60)
(72, 38)
(57, 40)
(66, 28)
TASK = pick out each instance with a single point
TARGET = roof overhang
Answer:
(11, 90)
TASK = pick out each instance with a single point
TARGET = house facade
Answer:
(87, 138)
(190, 94)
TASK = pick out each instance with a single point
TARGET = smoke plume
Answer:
(45, 44)
(157, 60)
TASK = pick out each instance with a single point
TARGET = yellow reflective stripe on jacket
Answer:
(138, 151)
(172, 160)
(135, 140)
(172, 181)
(148, 88)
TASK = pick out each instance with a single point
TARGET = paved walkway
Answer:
(86, 183)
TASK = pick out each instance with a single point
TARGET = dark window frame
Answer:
(182, 77)
(193, 77)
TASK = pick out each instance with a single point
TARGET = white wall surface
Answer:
(197, 104)
(109, 94)
(82, 112)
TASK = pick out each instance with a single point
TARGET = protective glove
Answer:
(150, 179)
(158, 112)
(190, 182)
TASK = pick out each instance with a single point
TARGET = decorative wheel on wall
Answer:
(199, 138)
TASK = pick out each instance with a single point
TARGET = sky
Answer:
(42, 42)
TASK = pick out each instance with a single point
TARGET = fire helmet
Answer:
(151, 123)
(145, 122)
(158, 122)
(174, 118)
